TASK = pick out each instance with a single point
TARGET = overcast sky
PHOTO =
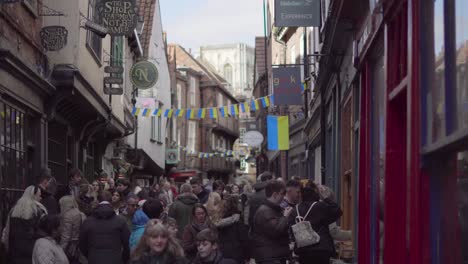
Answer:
(195, 23)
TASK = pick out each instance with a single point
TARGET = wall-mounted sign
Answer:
(118, 16)
(297, 13)
(113, 80)
(113, 91)
(253, 138)
(54, 38)
(114, 69)
(287, 85)
(144, 74)
(172, 156)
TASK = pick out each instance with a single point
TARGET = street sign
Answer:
(297, 13)
(113, 80)
(144, 75)
(287, 85)
(113, 69)
(172, 156)
(113, 91)
(53, 38)
(118, 16)
(253, 138)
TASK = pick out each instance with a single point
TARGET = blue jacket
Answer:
(139, 222)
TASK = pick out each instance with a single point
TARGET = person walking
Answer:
(293, 194)
(117, 202)
(71, 220)
(152, 209)
(199, 190)
(21, 230)
(104, 236)
(129, 211)
(181, 209)
(215, 208)
(208, 249)
(271, 225)
(86, 199)
(259, 196)
(158, 246)
(48, 191)
(125, 187)
(75, 177)
(200, 222)
(322, 213)
(47, 249)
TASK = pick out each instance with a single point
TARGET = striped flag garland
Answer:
(189, 113)
(145, 112)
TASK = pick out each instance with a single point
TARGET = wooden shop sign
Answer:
(114, 69)
(113, 91)
(113, 80)
(118, 16)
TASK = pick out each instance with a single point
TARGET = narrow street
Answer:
(224, 132)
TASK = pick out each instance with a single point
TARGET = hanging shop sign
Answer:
(172, 156)
(118, 16)
(113, 91)
(114, 69)
(144, 74)
(297, 13)
(113, 80)
(253, 138)
(287, 86)
(54, 38)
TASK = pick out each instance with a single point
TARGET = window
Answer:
(228, 73)
(93, 41)
(192, 135)
(192, 91)
(461, 61)
(179, 96)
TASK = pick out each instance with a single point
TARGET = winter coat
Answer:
(218, 259)
(320, 217)
(181, 211)
(270, 237)
(164, 259)
(86, 204)
(22, 236)
(104, 237)
(255, 201)
(71, 223)
(189, 242)
(139, 222)
(49, 202)
(48, 251)
(203, 195)
(234, 241)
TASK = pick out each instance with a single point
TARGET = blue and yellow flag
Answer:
(213, 113)
(159, 112)
(234, 110)
(135, 111)
(265, 102)
(272, 99)
(166, 113)
(278, 132)
(223, 113)
(171, 111)
(188, 114)
(242, 107)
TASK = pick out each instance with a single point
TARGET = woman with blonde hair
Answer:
(157, 245)
(21, 230)
(215, 208)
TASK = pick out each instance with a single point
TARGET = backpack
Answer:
(303, 233)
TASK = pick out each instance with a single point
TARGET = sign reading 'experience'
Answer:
(118, 16)
(297, 13)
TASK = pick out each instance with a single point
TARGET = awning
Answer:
(144, 164)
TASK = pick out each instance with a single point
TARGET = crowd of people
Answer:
(103, 222)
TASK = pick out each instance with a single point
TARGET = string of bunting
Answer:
(211, 112)
(222, 154)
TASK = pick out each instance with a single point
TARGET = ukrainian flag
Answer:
(242, 106)
(166, 113)
(278, 132)
(265, 102)
(170, 113)
(213, 113)
(223, 114)
(189, 114)
(135, 111)
(159, 112)
(181, 113)
(234, 110)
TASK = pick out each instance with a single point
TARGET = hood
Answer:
(259, 186)
(103, 211)
(140, 218)
(188, 199)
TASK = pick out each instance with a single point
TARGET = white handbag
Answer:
(302, 230)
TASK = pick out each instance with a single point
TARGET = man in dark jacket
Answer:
(208, 251)
(104, 236)
(258, 197)
(181, 209)
(270, 236)
(48, 186)
(199, 190)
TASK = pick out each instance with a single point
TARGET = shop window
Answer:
(461, 60)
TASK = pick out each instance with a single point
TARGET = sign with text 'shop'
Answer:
(297, 13)
(118, 16)
(54, 38)
(144, 74)
(287, 86)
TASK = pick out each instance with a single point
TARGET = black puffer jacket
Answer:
(234, 241)
(22, 236)
(322, 214)
(255, 200)
(270, 237)
(203, 195)
(104, 237)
